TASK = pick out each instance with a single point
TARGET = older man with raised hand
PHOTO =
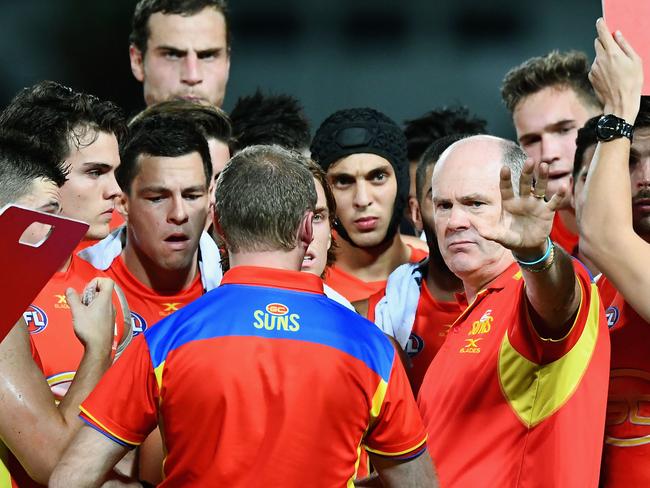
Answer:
(516, 395)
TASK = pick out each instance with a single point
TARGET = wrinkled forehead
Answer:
(477, 160)
(641, 143)
(205, 29)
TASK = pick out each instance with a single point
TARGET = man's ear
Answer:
(122, 206)
(573, 192)
(217, 224)
(137, 63)
(416, 216)
(306, 229)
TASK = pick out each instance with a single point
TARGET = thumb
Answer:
(489, 232)
(73, 299)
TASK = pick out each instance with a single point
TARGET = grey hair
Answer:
(514, 158)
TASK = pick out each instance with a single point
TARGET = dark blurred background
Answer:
(403, 57)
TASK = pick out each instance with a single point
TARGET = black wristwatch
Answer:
(612, 127)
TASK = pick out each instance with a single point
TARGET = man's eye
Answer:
(443, 206)
(342, 182)
(208, 56)
(477, 204)
(155, 199)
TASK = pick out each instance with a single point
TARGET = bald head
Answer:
(484, 152)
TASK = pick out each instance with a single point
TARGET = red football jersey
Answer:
(355, 289)
(504, 407)
(261, 382)
(627, 431)
(147, 306)
(563, 236)
(433, 319)
(49, 322)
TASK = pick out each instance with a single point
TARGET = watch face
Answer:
(606, 128)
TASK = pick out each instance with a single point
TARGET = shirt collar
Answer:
(273, 278)
(512, 272)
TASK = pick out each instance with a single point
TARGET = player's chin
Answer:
(98, 231)
(366, 241)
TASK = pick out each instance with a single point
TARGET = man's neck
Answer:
(162, 281)
(372, 263)
(568, 218)
(481, 278)
(441, 283)
(289, 260)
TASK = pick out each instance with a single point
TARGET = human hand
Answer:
(527, 218)
(616, 74)
(94, 322)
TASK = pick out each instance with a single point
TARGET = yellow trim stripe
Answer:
(5, 476)
(158, 371)
(633, 442)
(378, 400)
(393, 454)
(537, 391)
(108, 431)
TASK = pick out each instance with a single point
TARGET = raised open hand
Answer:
(616, 74)
(527, 218)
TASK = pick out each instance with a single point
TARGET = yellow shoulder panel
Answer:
(537, 391)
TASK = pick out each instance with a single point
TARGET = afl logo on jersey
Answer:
(414, 345)
(138, 323)
(612, 315)
(36, 319)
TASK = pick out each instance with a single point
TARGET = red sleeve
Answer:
(607, 291)
(398, 430)
(123, 405)
(525, 339)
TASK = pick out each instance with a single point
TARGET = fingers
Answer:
(505, 184)
(73, 299)
(555, 202)
(542, 179)
(526, 178)
(624, 45)
(604, 36)
(102, 284)
(599, 48)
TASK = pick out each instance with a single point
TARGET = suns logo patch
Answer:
(276, 316)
